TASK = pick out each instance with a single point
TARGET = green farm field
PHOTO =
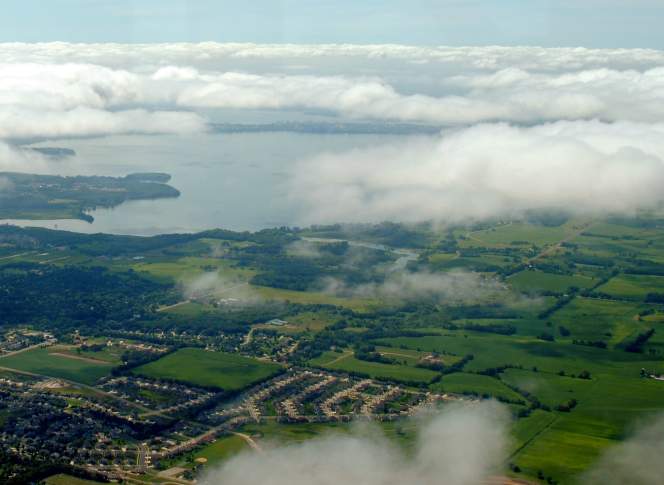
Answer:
(530, 281)
(58, 362)
(492, 351)
(230, 372)
(508, 234)
(477, 385)
(561, 443)
(633, 287)
(595, 319)
(62, 479)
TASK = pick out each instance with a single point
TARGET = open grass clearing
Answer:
(313, 321)
(62, 479)
(221, 450)
(188, 268)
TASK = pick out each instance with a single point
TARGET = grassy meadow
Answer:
(347, 362)
(230, 372)
(58, 362)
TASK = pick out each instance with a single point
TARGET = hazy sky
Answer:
(590, 23)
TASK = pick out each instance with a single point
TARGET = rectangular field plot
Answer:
(633, 287)
(519, 233)
(550, 389)
(492, 351)
(592, 319)
(229, 372)
(476, 384)
(348, 363)
(562, 454)
(530, 281)
(56, 362)
(605, 414)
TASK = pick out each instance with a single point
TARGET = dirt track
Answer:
(78, 357)
(250, 441)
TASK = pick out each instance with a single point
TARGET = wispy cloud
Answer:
(402, 285)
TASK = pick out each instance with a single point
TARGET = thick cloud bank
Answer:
(462, 446)
(637, 461)
(95, 100)
(486, 171)
(59, 90)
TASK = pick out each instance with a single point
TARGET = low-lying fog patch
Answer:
(462, 445)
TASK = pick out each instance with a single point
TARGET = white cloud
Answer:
(212, 285)
(303, 249)
(486, 171)
(13, 159)
(462, 446)
(80, 122)
(69, 100)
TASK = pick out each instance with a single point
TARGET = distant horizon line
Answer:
(333, 44)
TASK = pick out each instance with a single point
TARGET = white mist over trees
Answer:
(461, 446)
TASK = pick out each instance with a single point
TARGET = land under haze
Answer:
(32, 196)
(207, 346)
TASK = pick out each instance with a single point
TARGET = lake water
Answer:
(231, 181)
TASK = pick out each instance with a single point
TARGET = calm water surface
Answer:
(234, 181)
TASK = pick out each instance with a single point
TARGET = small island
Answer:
(30, 196)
